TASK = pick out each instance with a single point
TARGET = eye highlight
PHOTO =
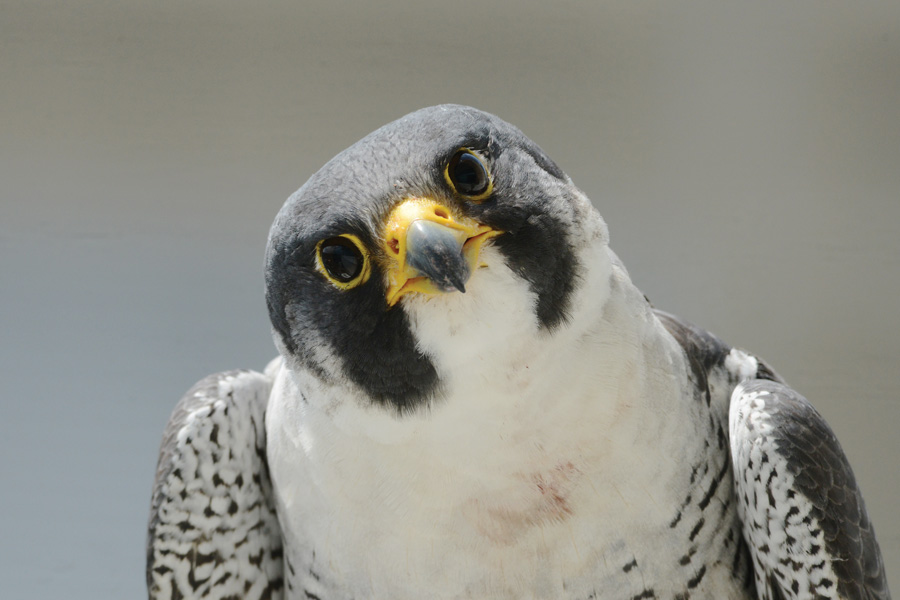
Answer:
(343, 260)
(468, 175)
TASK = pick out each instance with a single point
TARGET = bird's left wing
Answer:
(213, 531)
(803, 516)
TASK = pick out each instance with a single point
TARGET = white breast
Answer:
(520, 482)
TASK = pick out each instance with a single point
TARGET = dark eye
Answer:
(468, 175)
(343, 260)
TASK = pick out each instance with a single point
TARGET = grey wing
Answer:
(213, 531)
(802, 513)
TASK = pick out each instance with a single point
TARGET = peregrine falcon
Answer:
(472, 400)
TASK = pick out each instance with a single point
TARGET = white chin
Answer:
(493, 327)
(496, 314)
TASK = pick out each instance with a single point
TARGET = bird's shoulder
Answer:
(802, 513)
(709, 357)
(213, 530)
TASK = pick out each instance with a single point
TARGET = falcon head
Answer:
(436, 247)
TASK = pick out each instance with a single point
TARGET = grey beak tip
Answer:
(436, 253)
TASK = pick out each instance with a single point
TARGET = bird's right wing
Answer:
(213, 531)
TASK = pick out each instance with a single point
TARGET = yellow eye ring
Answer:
(343, 260)
(467, 174)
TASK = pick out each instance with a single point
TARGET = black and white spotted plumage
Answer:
(213, 530)
(802, 512)
(546, 434)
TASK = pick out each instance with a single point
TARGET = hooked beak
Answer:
(429, 249)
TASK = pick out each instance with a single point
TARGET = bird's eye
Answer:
(343, 260)
(468, 175)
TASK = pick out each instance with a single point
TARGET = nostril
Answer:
(394, 245)
(440, 212)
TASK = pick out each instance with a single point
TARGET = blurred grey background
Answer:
(745, 155)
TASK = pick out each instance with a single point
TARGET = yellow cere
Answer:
(403, 279)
